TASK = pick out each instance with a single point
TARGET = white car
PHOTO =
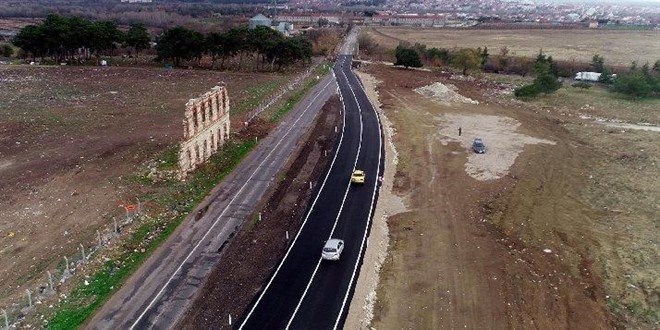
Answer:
(332, 249)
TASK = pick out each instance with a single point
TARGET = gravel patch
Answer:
(499, 134)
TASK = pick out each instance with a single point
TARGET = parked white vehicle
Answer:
(589, 76)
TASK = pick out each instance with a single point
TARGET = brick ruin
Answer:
(205, 128)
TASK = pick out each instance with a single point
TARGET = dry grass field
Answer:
(564, 236)
(619, 48)
(74, 140)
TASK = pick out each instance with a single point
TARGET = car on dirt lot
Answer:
(357, 176)
(478, 146)
(332, 249)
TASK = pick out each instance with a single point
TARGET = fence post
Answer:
(67, 272)
(287, 235)
(98, 237)
(82, 251)
(4, 313)
(29, 296)
(50, 280)
(229, 319)
(116, 226)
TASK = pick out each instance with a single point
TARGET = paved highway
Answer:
(306, 292)
(160, 291)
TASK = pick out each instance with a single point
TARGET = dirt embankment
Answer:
(511, 249)
(250, 258)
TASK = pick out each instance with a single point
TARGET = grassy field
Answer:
(618, 48)
(75, 143)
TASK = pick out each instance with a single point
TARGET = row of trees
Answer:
(269, 47)
(71, 38)
(75, 38)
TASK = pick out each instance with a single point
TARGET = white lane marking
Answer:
(373, 199)
(341, 138)
(318, 263)
(225, 209)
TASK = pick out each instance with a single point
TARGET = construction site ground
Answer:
(554, 227)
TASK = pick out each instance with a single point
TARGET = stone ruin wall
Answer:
(205, 128)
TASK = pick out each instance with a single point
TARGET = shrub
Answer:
(582, 84)
(547, 83)
(527, 91)
(633, 84)
(6, 50)
(407, 57)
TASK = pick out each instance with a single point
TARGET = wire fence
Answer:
(291, 86)
(47, 288)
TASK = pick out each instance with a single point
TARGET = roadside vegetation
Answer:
(635, 81)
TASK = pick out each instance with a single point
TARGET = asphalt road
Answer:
(306, 292)
(160, 291)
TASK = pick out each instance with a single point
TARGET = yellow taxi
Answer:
(357, 177)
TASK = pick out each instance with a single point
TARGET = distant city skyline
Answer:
(603, 1)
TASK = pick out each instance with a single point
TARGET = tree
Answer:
(138, 37)
(323, 22)
(656, 66)
(216, 46)
(289, 51)
(263, 40)
(605, 76)
(104, 35)
(31, 40)
(632, 83)
(598, 63)
(484, 57)
(180, 44)
(237, 40)
(545, 81)
(504, 58)
(407, 57)
(467, 59)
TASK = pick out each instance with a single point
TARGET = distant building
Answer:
(137, 1)
(259, 20)
(285, 28)
(593, 25)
